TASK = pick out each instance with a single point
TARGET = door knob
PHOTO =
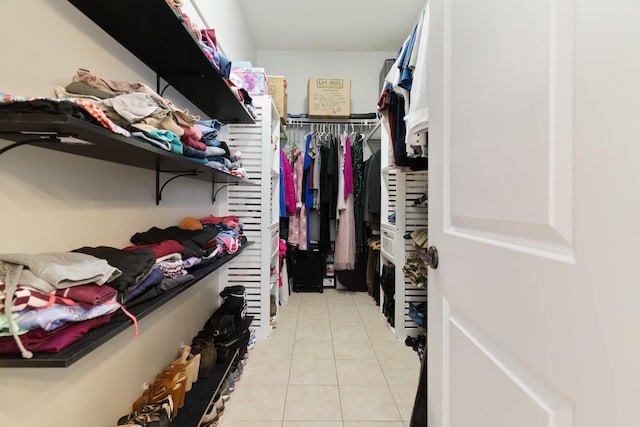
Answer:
(432, 257)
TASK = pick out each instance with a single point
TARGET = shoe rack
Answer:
(201, 395)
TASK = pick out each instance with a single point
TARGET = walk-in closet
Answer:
(199, 219)
(248, 213)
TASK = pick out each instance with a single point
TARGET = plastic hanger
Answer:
(353, 132)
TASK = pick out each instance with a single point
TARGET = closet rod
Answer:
(355, 122)
(373, 131)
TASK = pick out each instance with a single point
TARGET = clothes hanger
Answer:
(323, 134)
(353, 132)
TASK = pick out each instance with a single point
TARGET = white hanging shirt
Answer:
(417, 118)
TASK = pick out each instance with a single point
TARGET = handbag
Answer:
(220, 326)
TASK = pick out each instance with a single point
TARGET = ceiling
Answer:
(331, 25)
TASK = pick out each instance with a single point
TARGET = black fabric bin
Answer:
(309, 270)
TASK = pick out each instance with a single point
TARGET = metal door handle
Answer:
(432, 257)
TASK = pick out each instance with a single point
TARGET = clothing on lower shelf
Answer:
(41, 294)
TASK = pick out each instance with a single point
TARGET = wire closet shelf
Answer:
(368, 127)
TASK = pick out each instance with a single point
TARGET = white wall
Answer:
(50, 201)
(363, 68)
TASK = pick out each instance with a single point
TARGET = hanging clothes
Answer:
(299, 222)
(418, 114)
(328, 192)
(294, 237)
(307, 180)
(341, 202)
(283, 276)
(358, 192)
(287, 188)
(403, 101)
(372, 200)
(416, 118)
(356, 278)
(344, 257)
(387, 105)
(317, 167)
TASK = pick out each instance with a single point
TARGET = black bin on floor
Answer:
(309, 270)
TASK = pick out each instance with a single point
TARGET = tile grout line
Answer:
(286, 394)
(335, 364)
(385, 376)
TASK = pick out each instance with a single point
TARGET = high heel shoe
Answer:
(175, 378)
(170, 382)
(191, 365)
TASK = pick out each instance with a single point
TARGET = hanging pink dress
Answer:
(345, 246)
(288, 189)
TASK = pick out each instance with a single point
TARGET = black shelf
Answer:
(153, 32)
(198, 399)
(120, 322)
(76, 136)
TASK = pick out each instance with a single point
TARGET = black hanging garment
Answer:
(356, 279)
(419, 413)
(328, 193)
(388, 284)
(359, 188)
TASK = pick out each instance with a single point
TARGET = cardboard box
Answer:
(329, 98)
(278, 91)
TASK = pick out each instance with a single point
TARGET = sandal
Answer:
(169, 383)
(175, 379)
(158, 414)
(191, 365)
(211, 415)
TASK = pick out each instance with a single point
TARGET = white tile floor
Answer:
(331, 361)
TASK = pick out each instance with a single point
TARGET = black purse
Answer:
(220, 326)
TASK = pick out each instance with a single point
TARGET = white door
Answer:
(534, 196)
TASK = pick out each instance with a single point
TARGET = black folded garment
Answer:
(48, 106)
(135, 264)
(193, 241)
(160, 289)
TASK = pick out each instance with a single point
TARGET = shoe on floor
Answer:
(272, 305)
